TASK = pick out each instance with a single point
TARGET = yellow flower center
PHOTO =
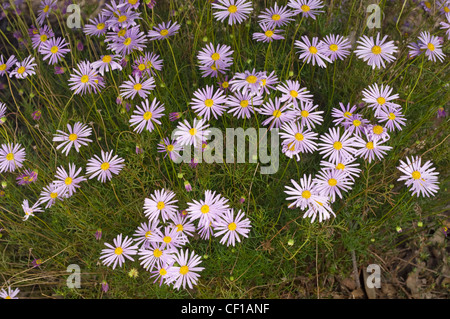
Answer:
(337, 145)
(313, 50)
(9, 156)
(184, 270)
(164, 32)
(305, 8)
(141, 67)
(148, 115)
(160, 205)
(377, 129)
(170, 147)
(232, 9)
(43, 38)
(104, 166)
(268, 33)
(21, 70)
(162, 272)
(148, 234)
(244, 103)
(180, 228)
(53, 195)
(122, 19)
(376, 49)
(167, 239)
(334, 47)
(149, 65)
(133, 2)
(225, 85)
(54, 49)
(8, 297)
(118, 251)
(68, 181)
(340, 166)
(332, 182)
(107, 59)
(370, 146)
(84, 79)
(446, 9)
(204, 209)
(137, 86)
(291, 146)
(306, 194)
(276, 17)
(232, 226)
(215, 56)
(356, 123)
(276, 113)
(347, 114)
(122, 32)
(3, 67)
(157, 253)
(209, 103)
(263, 82)
(127, 41)
(391, 116)
(416, 175)
(193, 131)
(299, 137)
(428, 4)
(46, 8)
(251, 79)
(293, 93)
(304, 113)
(73, 137)
(381, 100)
(430, 46)
(100, 26)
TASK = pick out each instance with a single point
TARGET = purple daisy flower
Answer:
(206, 102)
(77, 136)
(298, 139)
(308, 8)
(45, 8)
(268, 35)
(336, 147)
(380, 98)
(431, 46)
(24, 68)
(276, 16)
(394, 119)
(293, 93)
(69, 180)
(278, 113)
(232, 227)
(249, 81)
(191, 135)
(347, 165)
(85, 79)
(267, 82)
(96, 26)
(27, 177)
(133, 39)
(54, 49)
(155, 256)
(332, 183)
(147, 64)
(41, 37)
(5, 66)
(308, 116)
(446, 25)
(236, 11)
(107, 63)
(375, 51)
(160, 204)
(336, 47)
(422, 179)
(116, 254)
(208, 210)
(242, 105)
(163, 31)
(187, 273)
(313, 52)
(137, 85)
(147, 115)
(143, 233)
(125, 19)
(29, 211)
(305, 193)
(104, 167)
(355, 124)
(11, 157)
(170, 148)
(370, 147)
(220, 57)
(51, 193)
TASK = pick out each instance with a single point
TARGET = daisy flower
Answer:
(206, 102)
(85, 79)
(10, 293)
(77, 137)
(336, 147)
(375, 51)
(183, 225)
(137, 85)
(304, 193)
(133, 39)
(332, 182)
(187, 273)
(148, 64)
(422, 179)
(147, 115)
(206, 211)
(113, 8)
(308, 116)
(213, 70)
(116, 254)
(232, 227)
(235, 10)
(70, 180)
(41, 37)
(242, 105)
(432, 46)
(379, 98)
(171, 148)
(11, 157)
(131, 4)
(104, 167)
(347, 165)
(161, 272)
(155, 256)
(276, 16)
(295, 136)
(54, 50)
(163, 30)
(143, 233)
(267, 82)
(394, 119)
(107, 63)
(125, 19)
(191, 135)
(205, 232)
(443, 6)
(378, 131)
(24, 68)
(355, 124)
(45, 8)
(370, 147)
(308, 8)
(340, 115)
(336, 47)
(278, 113)
(29, 211)
(292, 92)
(160, 204)
(169, 239)
(51, 193)
(5, 65)
(27, 177)
(414, 49)
(96, 26)
(312, 52)
(249, 81)
(268, 35)
(220, 57)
